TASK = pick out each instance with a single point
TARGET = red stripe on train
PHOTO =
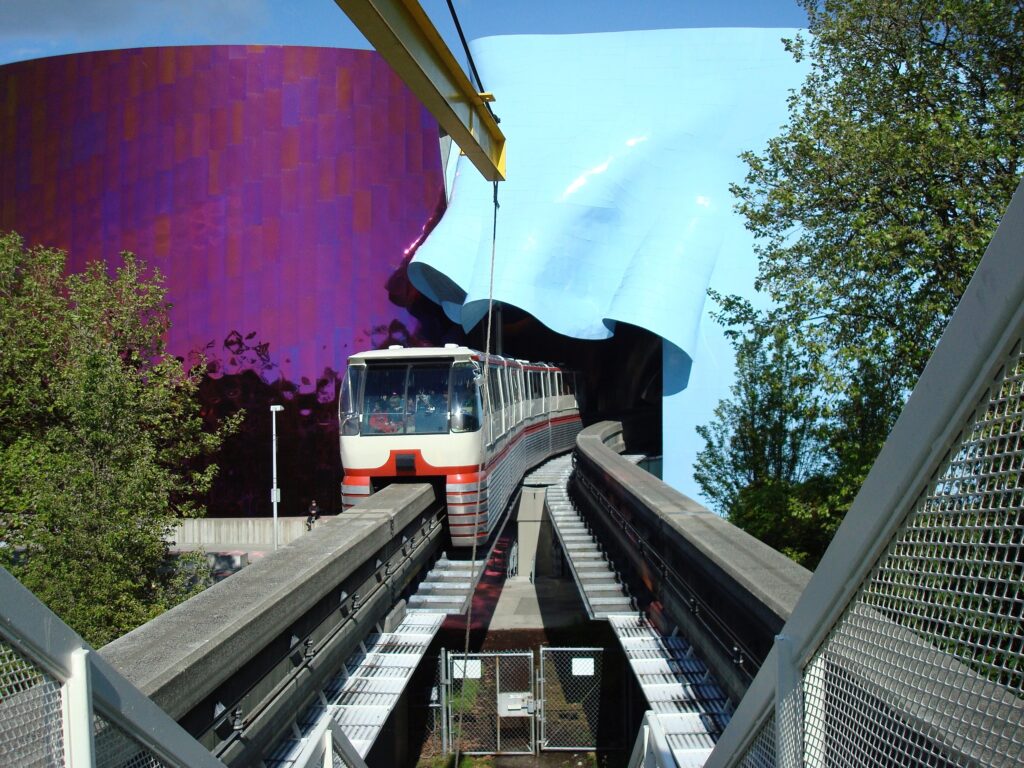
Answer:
(456, 474)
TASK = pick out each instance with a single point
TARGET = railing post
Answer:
(78, 715)
(638, 757)
(328, 749)
(788, 706)
(443, 662)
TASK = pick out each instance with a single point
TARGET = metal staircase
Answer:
(600, 587)
(448, 586)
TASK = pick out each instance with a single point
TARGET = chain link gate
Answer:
(570, 697)
(490, 703)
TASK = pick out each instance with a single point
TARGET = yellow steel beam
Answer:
(403, 34)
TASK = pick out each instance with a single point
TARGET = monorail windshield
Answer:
(410, 398)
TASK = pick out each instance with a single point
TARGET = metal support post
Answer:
(275, 492)
(443, 661)
(328, 749)
(78, 714)
(788, 706)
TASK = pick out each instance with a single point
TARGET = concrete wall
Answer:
(223, 534)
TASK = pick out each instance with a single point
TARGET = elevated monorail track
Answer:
(236, 664)
(250, 662)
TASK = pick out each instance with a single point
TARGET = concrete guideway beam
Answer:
(242, 642)
(403, 34)
(717, 583)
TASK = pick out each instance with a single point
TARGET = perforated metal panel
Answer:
(31, 724)
(339, 758)
(926, 665)
(761, 753)
(116, 749)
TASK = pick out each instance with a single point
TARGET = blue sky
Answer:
(34, 28)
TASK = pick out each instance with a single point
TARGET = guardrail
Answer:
(61, 703)
(907, 646)
(235, 664)
(726, 591)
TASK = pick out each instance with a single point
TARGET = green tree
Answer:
(870, 211)
(102, 445)
(874, 205)
(762, 450)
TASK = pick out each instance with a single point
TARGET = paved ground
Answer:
(548, 604)
(543, 760)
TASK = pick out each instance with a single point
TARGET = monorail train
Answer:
(421, 412)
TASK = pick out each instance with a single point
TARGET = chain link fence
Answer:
(570, 692)
(429, 710)
(490, 703)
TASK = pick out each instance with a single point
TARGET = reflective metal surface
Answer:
(621, 150)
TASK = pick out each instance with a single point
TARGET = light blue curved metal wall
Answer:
(621, 149)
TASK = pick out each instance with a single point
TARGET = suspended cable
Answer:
(480, 466)
(469, 58)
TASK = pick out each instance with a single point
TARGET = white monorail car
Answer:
(420, 412)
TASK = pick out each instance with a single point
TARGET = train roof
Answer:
(449, 351)
(395, 352)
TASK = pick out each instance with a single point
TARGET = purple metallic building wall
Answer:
(280, 191)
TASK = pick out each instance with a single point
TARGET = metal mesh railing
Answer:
(907, 647)
(31, 722)
(339, 758)
(926, 665)
(116, 749)
(761, 753)
(571, 695)
(60, 701)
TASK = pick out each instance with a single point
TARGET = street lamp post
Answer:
(275, 492)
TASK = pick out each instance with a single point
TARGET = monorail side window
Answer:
(351, 394)
(465, 398)
(493, 389)
(517, 386)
